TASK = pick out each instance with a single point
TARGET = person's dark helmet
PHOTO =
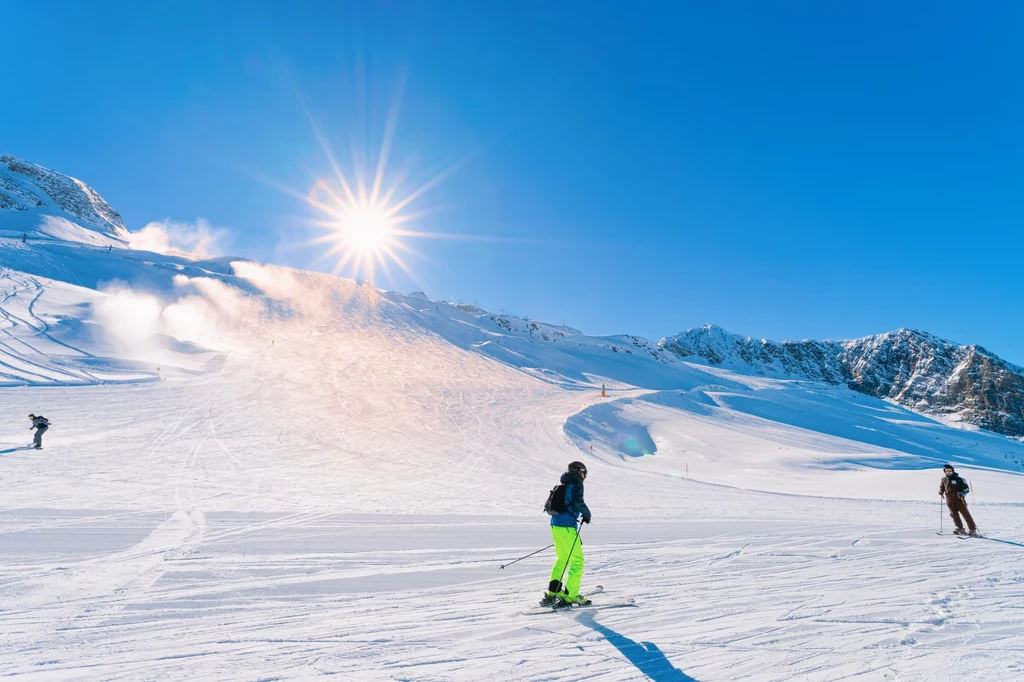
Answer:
(578, 468)
(948, 466)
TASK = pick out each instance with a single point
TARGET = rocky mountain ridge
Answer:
(34, 197)
(912, 368)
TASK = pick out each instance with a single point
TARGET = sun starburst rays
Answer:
(369, 214)
(364, 215)
(361, 232)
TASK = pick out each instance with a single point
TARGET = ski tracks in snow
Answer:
(81, 596)
(228, 531)
(385, 597)
(28, 352)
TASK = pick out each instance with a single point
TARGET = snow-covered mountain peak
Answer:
(39, 202)
(907, 366)
(798, 359)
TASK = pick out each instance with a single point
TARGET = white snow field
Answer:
(258, 474)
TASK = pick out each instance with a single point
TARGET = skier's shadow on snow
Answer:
(647, 657)
(10, 450)
(1005, 542)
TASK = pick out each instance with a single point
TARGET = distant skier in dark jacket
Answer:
(40, 424)
(568, 547)
(954, 488)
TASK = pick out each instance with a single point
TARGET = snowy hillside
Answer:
(262, 473)
(816, 360)
(914, 369)
(934, 376)
(39, 203)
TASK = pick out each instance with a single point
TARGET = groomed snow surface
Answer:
(289, 475)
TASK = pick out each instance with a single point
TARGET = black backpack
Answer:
(959, 484)
(556, 501)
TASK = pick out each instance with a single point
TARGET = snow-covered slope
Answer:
(39, 203)
(818, 360)
(934, 376)
(917, 370)
(261, 473)
(74, 314)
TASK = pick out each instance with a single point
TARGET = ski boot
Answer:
(974, 533)
(554, 593)
(959, 531)
(567, 601)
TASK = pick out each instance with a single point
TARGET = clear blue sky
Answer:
(786, 170)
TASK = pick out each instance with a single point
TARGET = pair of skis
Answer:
(619, 604)
(962, 536)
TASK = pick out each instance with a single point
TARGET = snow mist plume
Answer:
(229, 301)
(313, 303)
(141, 324)
(298, 289)
(199, 239)
(130, 319)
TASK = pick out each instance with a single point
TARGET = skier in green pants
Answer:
(566, 505)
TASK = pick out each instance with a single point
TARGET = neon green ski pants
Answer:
(566, 541)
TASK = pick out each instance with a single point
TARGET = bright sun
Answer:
(367, 229)
(362, 231)
(365, 217)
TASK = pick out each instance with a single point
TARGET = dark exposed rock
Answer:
(932, 375)
(70, 195)
(914, 369)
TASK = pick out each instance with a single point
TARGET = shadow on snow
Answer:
(1005, 542)
(647, 657)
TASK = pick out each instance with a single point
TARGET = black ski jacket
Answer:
(954, 484)
(574, 504)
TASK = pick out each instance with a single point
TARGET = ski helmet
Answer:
(578, 467)
(31, 416)
(948, 466)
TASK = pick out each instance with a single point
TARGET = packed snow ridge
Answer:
(912, 368)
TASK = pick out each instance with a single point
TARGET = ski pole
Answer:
(527, 556)
(569, 556)
(940, 515)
